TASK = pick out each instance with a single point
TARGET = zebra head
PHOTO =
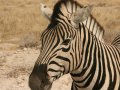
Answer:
(59, 47)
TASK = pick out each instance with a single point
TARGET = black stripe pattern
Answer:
(92, 64)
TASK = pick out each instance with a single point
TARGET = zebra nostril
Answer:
(42, 84)
(42, 81)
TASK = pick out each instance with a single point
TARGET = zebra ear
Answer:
(46, 11)
(82, 14)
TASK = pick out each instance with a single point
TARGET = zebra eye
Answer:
(66, 42)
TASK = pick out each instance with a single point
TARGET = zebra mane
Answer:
(58, 6)
(101, 29)
(71, 6)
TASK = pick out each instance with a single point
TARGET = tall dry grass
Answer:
(18, 18)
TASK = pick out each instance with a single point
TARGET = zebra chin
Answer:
(39, 79)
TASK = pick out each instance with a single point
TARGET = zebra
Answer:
(91, 23)
(91, 63)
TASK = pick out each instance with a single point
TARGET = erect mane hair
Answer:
(57, 8)
(57, 11)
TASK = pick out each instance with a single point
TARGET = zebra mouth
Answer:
(55, 77)
(46, 87)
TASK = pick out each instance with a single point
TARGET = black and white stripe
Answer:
(99, 67)
(92, 64)
(93, 25)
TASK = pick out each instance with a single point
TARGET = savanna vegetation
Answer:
(21, 22)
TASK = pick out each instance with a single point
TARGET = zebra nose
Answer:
(42, 84)
(38, 77)
(39, 83)
(34, 82)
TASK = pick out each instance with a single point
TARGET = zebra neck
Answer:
(94, 71)
(92, 24)
(87, 42)
(87, 64)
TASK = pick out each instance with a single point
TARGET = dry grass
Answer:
(18, 18)
(17, 72)
(2, 61)
(29, 40)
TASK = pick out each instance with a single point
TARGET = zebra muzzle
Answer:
(39, 79)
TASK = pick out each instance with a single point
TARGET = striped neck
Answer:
(86, 38)
(92, 25)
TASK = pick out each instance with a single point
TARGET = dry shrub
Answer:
(29, 40)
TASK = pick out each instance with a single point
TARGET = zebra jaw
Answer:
(53, 78)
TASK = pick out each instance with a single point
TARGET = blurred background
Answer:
(21, 22)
